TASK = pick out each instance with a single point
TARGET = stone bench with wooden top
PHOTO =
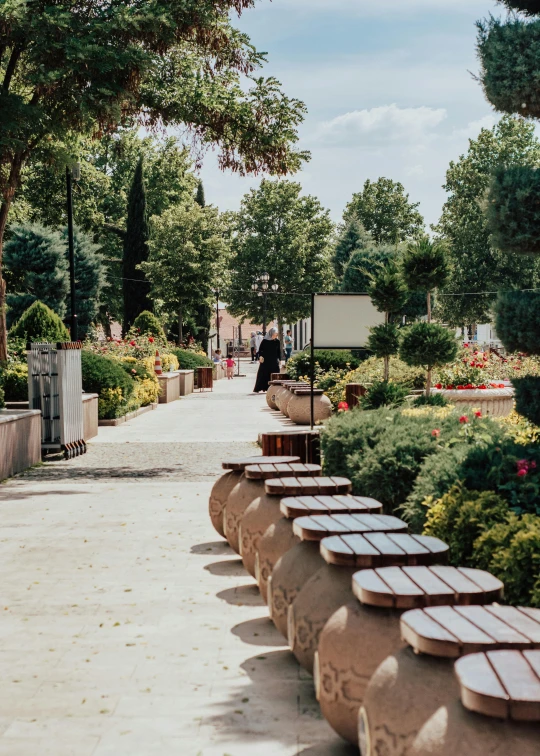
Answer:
(283, 393)
(362, 633)
(272, 390)
(304, 443)
(225, 484)
(412, 684)
(251, 485)
(499, 711)
(296, 565)
(299, 407)
(331, 586)
(265, 511)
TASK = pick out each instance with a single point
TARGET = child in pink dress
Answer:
(230, 363)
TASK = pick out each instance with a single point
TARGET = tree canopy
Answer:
(82, 68)
(384, 209)
(475, 264)
(280, 231)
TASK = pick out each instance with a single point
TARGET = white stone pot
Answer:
(496, 402)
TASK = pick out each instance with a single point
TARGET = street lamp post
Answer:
(218, 342)
(263, 280)
(72, 173)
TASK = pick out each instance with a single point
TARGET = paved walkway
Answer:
(127, 627)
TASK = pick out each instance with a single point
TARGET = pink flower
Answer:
(532, 465)
(521, 473)
(463, 419)
(436, 433)
(343, 407)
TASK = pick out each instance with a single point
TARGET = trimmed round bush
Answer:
(383, 340)
(189, 360)
(148, 323)
(40, 324)
(428, 345)
(513, 209)
(527, 396)
(509, 52)
(460, 516)
(110, 381)
(14, 381)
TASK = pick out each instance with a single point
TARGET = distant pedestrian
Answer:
(258, 340)
(230, 365)
(217, 356)
(253, 346)
(288, 346)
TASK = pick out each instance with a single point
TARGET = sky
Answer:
(389, 89)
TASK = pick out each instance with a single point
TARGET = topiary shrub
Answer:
(527, 396)
(511, 551)
(428, 345)
(189, 360)
(40, 324)
(108, 379)
(460, 516)
(509, 51)
(14, 381)
(513, 212)
(148, 323)
(299, 365)
(384, 394)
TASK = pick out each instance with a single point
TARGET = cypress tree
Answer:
(199, 195)
(89, 281)
(352, 238)
(136, 288)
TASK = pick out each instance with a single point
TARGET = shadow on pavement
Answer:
(220, 548)
(259, 632)
(227, 568)
(242, 595)
(12, 494)
(334, 747)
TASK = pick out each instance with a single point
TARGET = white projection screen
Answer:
(342, 321)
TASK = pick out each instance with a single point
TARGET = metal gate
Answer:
(55, 388)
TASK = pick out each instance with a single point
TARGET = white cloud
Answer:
(382, 124)
(472, 129)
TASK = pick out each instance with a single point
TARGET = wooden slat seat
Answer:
(317, 527)
(298, 506)
(420, 586)
(503, 684)
(452, 631)
(382, 549)
(305, 443)
(240, 463)
(313, 486)
(281, 469)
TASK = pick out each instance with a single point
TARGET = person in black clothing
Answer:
(269, 357)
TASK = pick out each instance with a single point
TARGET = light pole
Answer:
(263, 280)
(218, 342)
(72, 173)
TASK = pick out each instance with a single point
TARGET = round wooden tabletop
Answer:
(279, 470)
(382, 549)
(317, 527)
(412, 587)
(299, 506)
(312, 486)
(454, 631)
(502, 684)
(240, 463)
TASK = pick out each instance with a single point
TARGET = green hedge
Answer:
(191, 360)
(148, 323)
(299, 365)
(110, 381)
(14, 381)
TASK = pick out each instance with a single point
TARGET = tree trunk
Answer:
(180, 328)
(429, 307)
(280, 324)
(3, 327)
(428, 382)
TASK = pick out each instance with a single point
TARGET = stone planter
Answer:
(219, 495)
(494, 402)
(299, 407)
(90, 415)
(20, 441)
(187, 382)
(169, 387)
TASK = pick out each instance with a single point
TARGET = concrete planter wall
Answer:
(187, 382)
(495, 402)
(20, 440)
(130, 416)
(169, 387)
(219, 372)
(90, 415)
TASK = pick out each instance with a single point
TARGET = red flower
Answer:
(132, 343)
(343, 407)
(463, 419)
(532, 465)
(501, 385)
(478, 413)
(438, 385)
(460, 388)
(469, 386)
(436, 433)
(466, 346)
(521, 473)
(151, 339)
(450, 386)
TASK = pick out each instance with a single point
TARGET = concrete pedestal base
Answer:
(169, 387)
(276, 540)
(187, 382)
(404, 692)
(354, 641)
(290, 574)
(454, 731)
(90, 415)
(218, 497)
(322, 595)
